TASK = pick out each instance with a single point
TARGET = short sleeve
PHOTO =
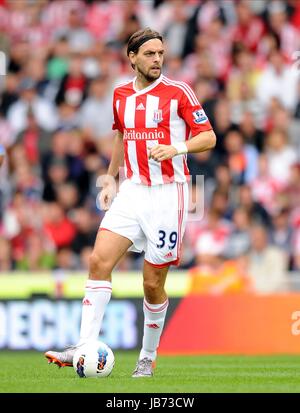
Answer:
(192, 112)
(116, 123)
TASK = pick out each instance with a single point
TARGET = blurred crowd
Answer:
(64, 58)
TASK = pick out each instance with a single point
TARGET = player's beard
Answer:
(150, 78)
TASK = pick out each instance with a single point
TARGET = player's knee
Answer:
(152, 287)
(99, 264)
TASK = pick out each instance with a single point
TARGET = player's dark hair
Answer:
(141, 36)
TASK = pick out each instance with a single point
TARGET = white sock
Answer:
(97, 296)
(155, 315)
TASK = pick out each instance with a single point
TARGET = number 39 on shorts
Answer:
(170, 239)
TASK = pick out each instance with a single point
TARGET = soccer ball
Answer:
(93, 359)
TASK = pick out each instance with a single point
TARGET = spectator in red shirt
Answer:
(249, 28)
(58, 227)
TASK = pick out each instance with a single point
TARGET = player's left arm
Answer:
(204, 141)
(203, 136)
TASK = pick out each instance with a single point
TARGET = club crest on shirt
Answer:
(157, 116)
(199, 116)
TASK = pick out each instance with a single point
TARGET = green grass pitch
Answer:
(28, 372)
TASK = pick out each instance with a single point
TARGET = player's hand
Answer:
(162, 152)
(106, 196)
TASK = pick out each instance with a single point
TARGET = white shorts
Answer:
(152, 217)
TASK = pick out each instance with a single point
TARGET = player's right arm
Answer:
(109, 187)
(117, 158)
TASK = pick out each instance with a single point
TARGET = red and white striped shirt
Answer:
(165, 112)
